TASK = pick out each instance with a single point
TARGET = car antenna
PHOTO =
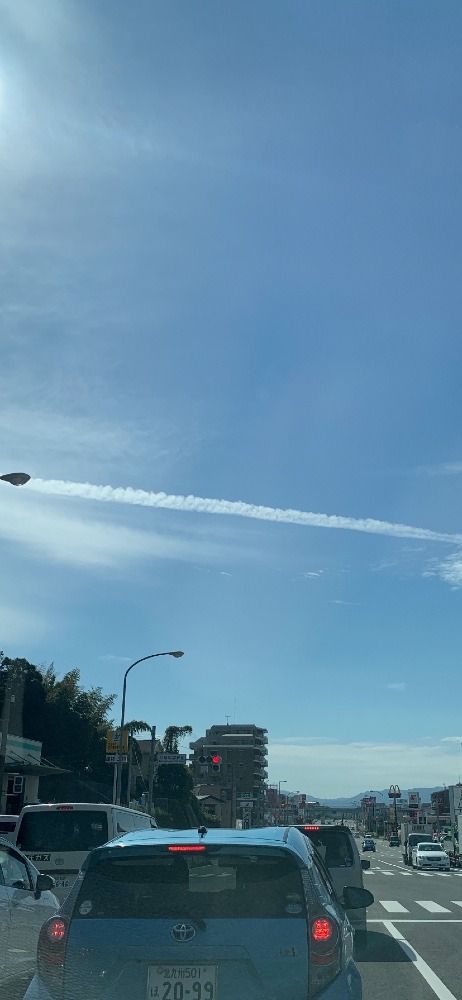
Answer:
(202, 831)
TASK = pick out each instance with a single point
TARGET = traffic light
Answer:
(213, 761)
(18, 784)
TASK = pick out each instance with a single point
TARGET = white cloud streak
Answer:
(396, 686)
(445, 469)
(232, 508)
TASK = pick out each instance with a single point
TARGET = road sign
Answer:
(113, 741)
(171, 758)
(113, 758)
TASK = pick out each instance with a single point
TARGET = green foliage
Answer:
(172, 737)
(70, 722)
(173, 781)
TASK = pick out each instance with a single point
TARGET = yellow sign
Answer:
(113, 741)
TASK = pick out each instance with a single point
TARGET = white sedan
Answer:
(430, 856)
(26, 901)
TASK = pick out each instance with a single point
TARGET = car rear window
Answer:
(53, 830)
(333, 844)
(7, 826)
(195, 886)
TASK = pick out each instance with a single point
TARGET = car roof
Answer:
(287, 838)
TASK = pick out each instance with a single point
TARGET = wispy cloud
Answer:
(445, 469)
(112, 658)
(448, 569)
(204, 505)
(81, 539)
(351, 604)
(396, 686)
(313, 574)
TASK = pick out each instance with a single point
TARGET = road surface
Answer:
(415, 931)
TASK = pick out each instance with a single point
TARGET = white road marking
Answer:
(392, 906)
(381, 872)
(428, 904)
(426, 972)
(457, 902)
(414, 920)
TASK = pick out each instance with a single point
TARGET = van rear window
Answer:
(52, 830)
(333, 844)
(194, 886)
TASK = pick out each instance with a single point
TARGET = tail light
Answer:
(325, 949)
(51, 950)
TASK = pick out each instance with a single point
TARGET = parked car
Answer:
(368, 844)
(426, 855)
(394, 840)
(250, 910)
(26, 901)
(339, 853)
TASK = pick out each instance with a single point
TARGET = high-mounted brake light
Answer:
(64, 808)
(311, 827)
(186, 847)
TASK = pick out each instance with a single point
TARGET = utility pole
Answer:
(9, 697)
(152, 757)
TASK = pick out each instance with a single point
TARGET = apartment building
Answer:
(230, 761)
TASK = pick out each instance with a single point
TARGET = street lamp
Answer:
(177, 653)
(16, 478)
(283, 782)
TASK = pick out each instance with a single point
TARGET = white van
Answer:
(58, 836)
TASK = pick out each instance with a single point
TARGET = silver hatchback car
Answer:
(186, 915)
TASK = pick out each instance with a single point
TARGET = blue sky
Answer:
(230, 266)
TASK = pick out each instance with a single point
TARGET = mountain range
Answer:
(381, 796)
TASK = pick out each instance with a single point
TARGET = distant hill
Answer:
(425, 794)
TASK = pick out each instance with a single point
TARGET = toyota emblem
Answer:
(183, 932)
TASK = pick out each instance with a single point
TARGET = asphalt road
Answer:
(414, 947)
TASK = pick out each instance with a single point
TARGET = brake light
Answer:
(64, 808)
(188, 848)
(311, 827)
(51, 950)
(325, 953)
(56, 930)
(321, 930)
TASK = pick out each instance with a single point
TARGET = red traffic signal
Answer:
(216, 759)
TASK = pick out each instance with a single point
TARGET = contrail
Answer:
(234, 508)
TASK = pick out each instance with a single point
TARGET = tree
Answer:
(172, 737)
(174, 781)
(70, 722)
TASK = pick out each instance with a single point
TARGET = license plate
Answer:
(182, 982)
(61, 883)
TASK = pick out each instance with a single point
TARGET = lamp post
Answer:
(16, 478)
(177, 653)
(283, 782)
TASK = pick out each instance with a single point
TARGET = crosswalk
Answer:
(429, 906)
(402, 873)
